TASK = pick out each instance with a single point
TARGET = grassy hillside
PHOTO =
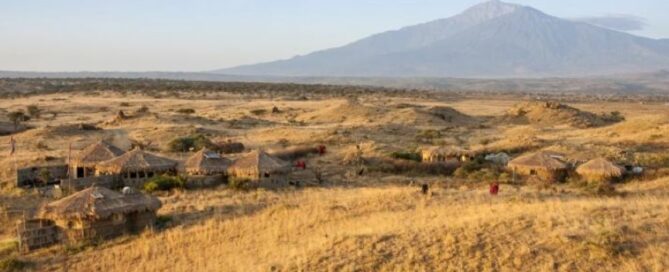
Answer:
(397, 228)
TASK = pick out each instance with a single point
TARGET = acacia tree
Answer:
(34, 111)
(17, 117)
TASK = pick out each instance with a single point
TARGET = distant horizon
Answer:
(73, 36)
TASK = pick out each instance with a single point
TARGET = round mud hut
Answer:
(260, 167)
(84, 163)
(100, 213)
(206, 162)
(544, 165)
(137, 166)
(600, 170)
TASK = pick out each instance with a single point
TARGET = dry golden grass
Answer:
(372, 226)
(398, 229)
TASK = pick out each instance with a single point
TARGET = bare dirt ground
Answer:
(374, 222)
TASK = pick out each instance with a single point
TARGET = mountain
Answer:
(492, 39)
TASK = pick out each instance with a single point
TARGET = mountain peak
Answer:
(491, 39)
(490, 9)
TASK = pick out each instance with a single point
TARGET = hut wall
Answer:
(432, 157)
(107, 181)
(594, 178)
(250, 173)
(77, 231)
(549, 175)
(139, 221)
(37, 233)
(30, 176)
(273, 182)
(81, 171)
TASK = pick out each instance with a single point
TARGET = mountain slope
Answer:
(493, 39)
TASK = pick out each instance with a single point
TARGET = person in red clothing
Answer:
(301, 164)
(494, 188)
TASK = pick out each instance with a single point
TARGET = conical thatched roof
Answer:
(540, 160)
(600, 167)
(136, 160)
(258, 162)
(98, 202)
(96, 153)
(207, 162)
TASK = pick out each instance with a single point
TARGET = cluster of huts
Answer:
(99, 212)
(553, 167)
(543, 165)
(133, 168)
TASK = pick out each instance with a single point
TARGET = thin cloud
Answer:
(622, 22)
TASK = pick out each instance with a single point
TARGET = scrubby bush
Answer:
(164, 183)
(467, 169)
(186, 111)
(238, 183)
(34, 111)
(427, 135)
(258, 111)
(395, 166)
(194, 142)
(17, 117)
(409, 156)
(143, 109)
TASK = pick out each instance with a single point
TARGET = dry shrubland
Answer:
(368, 215)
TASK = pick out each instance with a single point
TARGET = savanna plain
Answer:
(367, 212)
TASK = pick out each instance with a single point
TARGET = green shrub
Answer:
(238, 183)
(409, 156)
(164, 183)
(196, 142)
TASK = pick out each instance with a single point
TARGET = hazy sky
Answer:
(198, 35)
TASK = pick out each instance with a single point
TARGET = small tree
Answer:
(17, 117)
(34, 111)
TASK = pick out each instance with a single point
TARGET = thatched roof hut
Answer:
(257, 164)
(137, 160)
(207, 162)
(98, 212)
(544, 164)
(600, 169)
(538, 160)
(98, 203)
(96, 153)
